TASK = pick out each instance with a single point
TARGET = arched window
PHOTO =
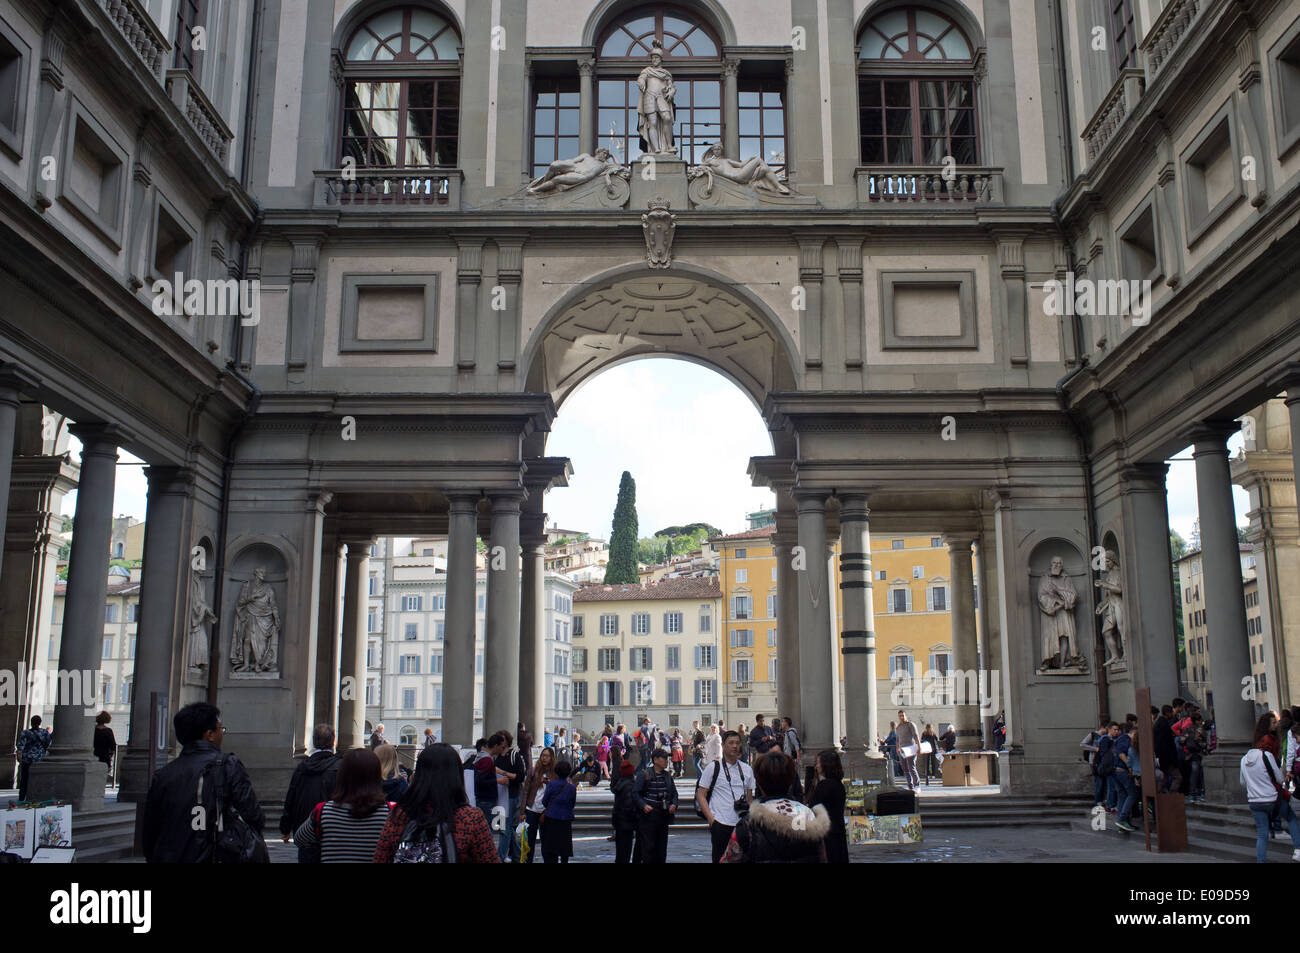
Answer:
(692, 52)
(401, 91)
(407, 736)
(916, 90)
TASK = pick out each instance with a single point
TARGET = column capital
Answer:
(809, 500)
(1213, 434)
(169, 480)
(587, 66)
(1143, 477)
(959, 544)
(95, 436)
(462, 502)
(854, 506)
(358, 546)
(15, 380)
(507, 501)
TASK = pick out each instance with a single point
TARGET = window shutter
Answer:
(929, 599)
(618, 660)
(908, 591)
(649, 659)
(697, 665)
(697, 681)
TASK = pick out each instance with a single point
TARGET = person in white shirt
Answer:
(1262, 779)
(725, 792)
(712, 746)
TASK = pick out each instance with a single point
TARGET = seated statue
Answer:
(754, 172)
(564, 174)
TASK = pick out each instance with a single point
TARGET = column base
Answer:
(1222, 772)
(77, 778)
(133, 770)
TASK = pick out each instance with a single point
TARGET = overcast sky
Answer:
(686, 435)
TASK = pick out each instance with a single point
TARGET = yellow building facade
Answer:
(913, 625)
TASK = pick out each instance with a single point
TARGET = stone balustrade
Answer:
(1171, 26)
(1121, 101)
(930, 184)
(199, 112)
(411, 188)
(137, 26)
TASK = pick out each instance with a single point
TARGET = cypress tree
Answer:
(622, 541)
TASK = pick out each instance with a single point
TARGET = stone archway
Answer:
(691, 314)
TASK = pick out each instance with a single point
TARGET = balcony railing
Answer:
(1167, 32)
(1115, 108)
(199, 112)
(966, 185)
(391, 188)
(135, 23)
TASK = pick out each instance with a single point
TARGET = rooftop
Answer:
(663, 589)
(760, 533)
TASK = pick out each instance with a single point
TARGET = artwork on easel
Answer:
(18, 825)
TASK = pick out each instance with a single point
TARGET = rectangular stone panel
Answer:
(927, 309)
(390, 312)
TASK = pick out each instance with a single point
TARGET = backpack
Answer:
(708, 792)
(1106, 767)
(425, 844)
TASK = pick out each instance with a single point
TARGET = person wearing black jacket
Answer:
(312, 783)
(169, 833)
(762, 738)
(626, 817)
(829, 793)
(1166, 752)
(656, 799)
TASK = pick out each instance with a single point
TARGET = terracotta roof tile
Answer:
(682, 588)
(748, 534)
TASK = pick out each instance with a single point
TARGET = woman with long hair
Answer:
(434, 817)
(346, 828)
(602, 753)
(543, 772)
(1264, 736)
(394, 784)
(105, 743)
(829, 792)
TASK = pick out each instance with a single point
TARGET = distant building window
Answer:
(771, 607)
(408, 703)
(900, 665)
(640, 623)
(640, 659)
(435, 663)
(440, 630)
(133, 613)
(900, 600)
(742, 638)
(579, 694)
(130, 652)
(880, 574)
(609, 625)
(108, 647)
(673, 657)
(740, 554)
(936, 541)
(579, 660)
(898, 544)
(577, 627)
(938, 599)
(412, 603)
(672, 623)
(704, 656)
(742, 607)
(608, 660)
(408, 665)
(412, 631)
(742, 575)
(110, 612)
(918, 572)
(706, 622)
(674, 691)
(704, 690)
(742, 670)
(771, 638)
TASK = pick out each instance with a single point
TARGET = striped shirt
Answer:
(343, 838)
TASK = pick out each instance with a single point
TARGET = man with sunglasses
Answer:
(172, 832)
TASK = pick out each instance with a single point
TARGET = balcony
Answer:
(1175, 22)
(389, 189)
(136, 25)
(1119, 103)
(929, 185)
(200, 113)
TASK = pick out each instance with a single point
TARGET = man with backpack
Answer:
(187, 796)
(312, 783)
(1103, 766)
(1091, 745)
(724, 792)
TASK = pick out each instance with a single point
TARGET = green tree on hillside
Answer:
(622, 541)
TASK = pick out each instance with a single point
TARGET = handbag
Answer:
(1283, 795)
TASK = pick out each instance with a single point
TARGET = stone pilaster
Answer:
(813, 587)
(965, 645)
(352, 655)
(501, 630)
(458, 635)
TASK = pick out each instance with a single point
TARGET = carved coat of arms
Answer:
(659, 224)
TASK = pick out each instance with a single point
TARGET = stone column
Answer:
(858, 633)
(1225, 606)
(731, 108)
(352, 656)
(1150, 638)
(458, 634)
(587, 138)
(501, 630)
(965, 647)
(10, 396)
(70, 771)
(163, 590)
(532, 635)
(788, 695)
(811, 582)
(324, 709)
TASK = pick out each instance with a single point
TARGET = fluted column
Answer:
(532, 636)
(858, 636)
(458, 633)
(1225, 599)
(788, 695)
(352, 654)
(965, 647)
(811, 582)
(501, 632)
(70, 771)
(167, 569)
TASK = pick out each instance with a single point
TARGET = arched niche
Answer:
(241, 579)
(1061, 622)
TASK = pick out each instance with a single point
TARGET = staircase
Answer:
(1228, 831)
(1002, 810)
(105, 834)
